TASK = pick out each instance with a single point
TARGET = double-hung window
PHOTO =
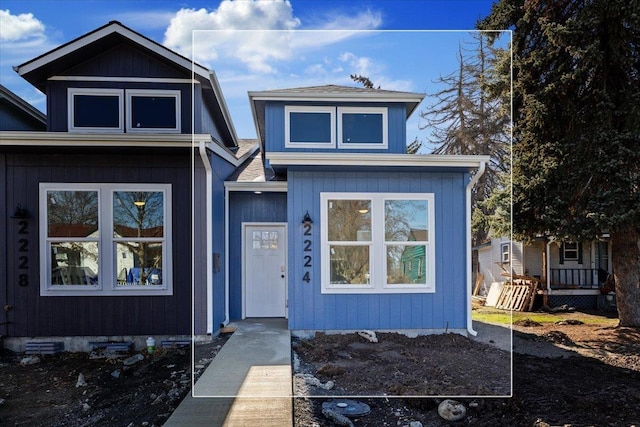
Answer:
(105, 239)
(505, 250)
(377, 243)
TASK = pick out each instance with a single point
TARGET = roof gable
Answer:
(99, 49)
(127, 60)
(16, 107)
(94, 43)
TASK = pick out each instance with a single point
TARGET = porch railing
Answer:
(576, 278)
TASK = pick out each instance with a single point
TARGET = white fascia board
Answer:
(264, 186)
(336, 97)
(68, 139)
(217, 90)
(103, 32)
(372, 159)
(227, 155)
(122, 79)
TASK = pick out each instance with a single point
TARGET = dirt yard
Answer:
(49, 393)
(595, 381)
(599, 385)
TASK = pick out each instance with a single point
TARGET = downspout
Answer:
(209, 232)
(470, 185)
(226, 258)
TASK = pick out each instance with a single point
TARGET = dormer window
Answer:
(118, 110)
(352, 128)
(95, 110)
(309, 127)
(362, 127)
(153, 111)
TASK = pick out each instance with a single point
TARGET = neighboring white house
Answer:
(569, 272)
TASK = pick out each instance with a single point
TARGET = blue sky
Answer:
(399, 44)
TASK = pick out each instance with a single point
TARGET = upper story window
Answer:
(362, 127)
(95, 110)
(309, 127)
(153, 111)
(377, 243)
(323, 126)
(505, 252)
(106, 111)
(105, 239)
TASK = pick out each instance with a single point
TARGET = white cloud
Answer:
(257, 33)
(21, 27)
(365, 66)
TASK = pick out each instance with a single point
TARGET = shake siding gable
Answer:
(312, 310)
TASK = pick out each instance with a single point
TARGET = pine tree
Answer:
(576, 150)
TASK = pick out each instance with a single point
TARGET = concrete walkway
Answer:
(247, 383)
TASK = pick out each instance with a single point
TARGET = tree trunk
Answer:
(626, 270)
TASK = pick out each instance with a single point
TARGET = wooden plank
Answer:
(479, 280)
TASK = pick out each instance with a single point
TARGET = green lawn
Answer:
(504, 317)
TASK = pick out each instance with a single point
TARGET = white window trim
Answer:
(565, 250)
(153, 93)
(106, 243)
(288, 109)
(72, 91)
(505, 249)
(377, 253)
(362, 110)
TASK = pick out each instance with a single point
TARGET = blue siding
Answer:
(14, 119)
(248, 207)
(274, 128)
(221, 169)
(446, 308)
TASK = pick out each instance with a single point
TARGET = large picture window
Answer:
(377, 243)
(105, 239)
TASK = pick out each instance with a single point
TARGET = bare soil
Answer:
(47, 393)
(598, 385)
(595, 383)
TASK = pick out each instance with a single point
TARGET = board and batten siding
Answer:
(248, 207)
(309, 309)
(33, 315)
(274, 126)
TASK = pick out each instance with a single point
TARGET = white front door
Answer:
(265, 290)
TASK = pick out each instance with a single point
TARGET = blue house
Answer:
(324, 248)
(138, 211)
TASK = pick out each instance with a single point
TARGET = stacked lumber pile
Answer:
(518, 294)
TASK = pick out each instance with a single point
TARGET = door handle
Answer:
(282, 276)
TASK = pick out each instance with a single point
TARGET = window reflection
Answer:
(74, 263)
(349, 265)
(350, 220)
(138, 223)
(72, 213)
(402, 217)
